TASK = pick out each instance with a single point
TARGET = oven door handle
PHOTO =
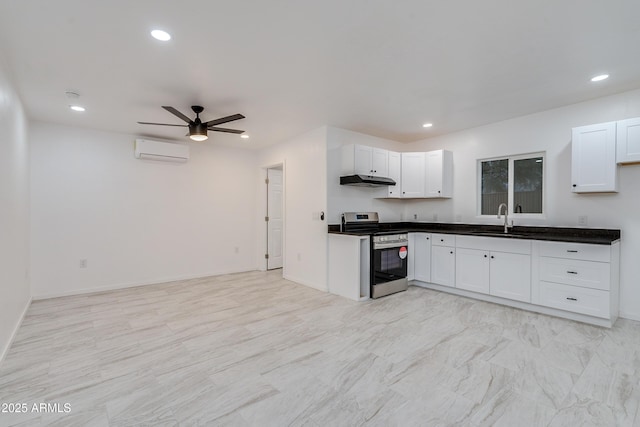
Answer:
(389, 245)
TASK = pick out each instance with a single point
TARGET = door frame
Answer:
(264, 264)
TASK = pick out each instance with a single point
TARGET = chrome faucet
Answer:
(506, 216)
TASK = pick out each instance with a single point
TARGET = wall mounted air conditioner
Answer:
(163, 151)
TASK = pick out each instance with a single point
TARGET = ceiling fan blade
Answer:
(225, 130)
(162, 124)
(177, 113)
(224, 120)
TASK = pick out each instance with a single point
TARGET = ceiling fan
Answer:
(197, 128)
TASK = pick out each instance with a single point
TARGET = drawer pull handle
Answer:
(572, 272)
(572, 299)
(573, 251)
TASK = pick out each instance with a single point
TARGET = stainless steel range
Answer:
(389, 264)
(389, 252)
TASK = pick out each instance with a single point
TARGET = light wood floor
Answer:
(254, 349)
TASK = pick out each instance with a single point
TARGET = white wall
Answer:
(549, 131)
(305, 196)
(345, 198)
(135, 221)
(14, 211)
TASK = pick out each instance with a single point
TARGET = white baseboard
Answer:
(630, 316)
(135, 284)
(305, 283)
(6, 348)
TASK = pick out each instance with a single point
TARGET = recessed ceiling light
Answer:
(163, 36)
(600, 78)
(244, 136)
(77, 108)
(427, 125)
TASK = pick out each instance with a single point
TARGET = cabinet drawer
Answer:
(588, 274)
(494, 244)
(582, 251)
(592, 302)
(443, 240)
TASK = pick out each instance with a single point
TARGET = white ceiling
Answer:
(374, 66)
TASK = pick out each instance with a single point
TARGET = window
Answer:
(517, 181)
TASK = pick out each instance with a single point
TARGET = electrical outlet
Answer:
(458, 218)
(236, 250)
(583, 220)
(299, 256)
(83, 263)
(415, 216)
(435, 216)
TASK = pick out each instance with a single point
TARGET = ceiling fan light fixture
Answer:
(198, 132)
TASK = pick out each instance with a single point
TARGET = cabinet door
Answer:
(433, 173)
(511, 276)
(593, 158)
(411, 256)
(472, 270)
(394, 174)
(422, 257)
(379, 162)
(412, 172)
(443, 265)
(362, 160)
(628, 141)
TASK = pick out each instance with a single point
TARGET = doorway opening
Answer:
(275, 217)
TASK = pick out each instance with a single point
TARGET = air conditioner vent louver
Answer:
(161, 151)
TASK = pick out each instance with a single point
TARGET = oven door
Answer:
(389, 264)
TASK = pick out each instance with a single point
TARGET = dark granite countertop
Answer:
(598, 236)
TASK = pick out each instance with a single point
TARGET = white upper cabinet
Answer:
(380, 162)
(593, 158)
(394, 173)
(628, 141)
(439, 174)
(363, 160)
(417, 175)
(413, 174)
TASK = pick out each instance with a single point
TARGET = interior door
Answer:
(275, 222)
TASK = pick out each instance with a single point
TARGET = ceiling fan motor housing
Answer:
(197, 128)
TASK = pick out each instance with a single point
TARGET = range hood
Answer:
(366, 181)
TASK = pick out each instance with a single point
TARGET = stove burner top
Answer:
(360, 222)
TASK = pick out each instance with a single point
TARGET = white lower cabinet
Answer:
(511, 276)
(443, 265)
(422, 257)
(592, 302)
(580, 278)
(501, 274)
(472, 270)
(574, 280)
